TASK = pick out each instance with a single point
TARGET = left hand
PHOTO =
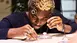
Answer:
(55, 22)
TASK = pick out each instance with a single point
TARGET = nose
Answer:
(39, 23)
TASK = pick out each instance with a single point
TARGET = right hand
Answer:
(22, 31)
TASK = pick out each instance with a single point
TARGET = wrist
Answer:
(66, 28)
(11, 33)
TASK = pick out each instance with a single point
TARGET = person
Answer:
(40, 17)
(75, 18)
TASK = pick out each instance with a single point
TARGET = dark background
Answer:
(24, 4)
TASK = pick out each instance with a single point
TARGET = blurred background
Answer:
(67, 7)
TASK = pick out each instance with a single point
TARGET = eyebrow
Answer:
(46, 17)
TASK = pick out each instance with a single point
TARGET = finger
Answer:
(31, 31)
(28, 31)
(52, 18)
(28, 28)
(25, 27)
(59, 28)
(55, 23)
(34, 34)
(28, 36)
(51, 27)
(58, 25)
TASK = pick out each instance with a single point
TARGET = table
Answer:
(55, 39)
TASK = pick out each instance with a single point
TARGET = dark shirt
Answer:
(19, 19)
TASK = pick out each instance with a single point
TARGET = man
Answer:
(75, 18)
(41, 17)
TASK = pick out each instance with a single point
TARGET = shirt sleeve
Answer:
(66, 21)
(4, 27)
(69, 22)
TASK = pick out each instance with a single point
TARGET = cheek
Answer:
(33, 21)
(41, 22)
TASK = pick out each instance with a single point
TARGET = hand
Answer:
(55, 22)
(25, 30)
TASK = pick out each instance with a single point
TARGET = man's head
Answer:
(42, 5)
(40, 11)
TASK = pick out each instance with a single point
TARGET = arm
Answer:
(58, 20)
(69, 26)
(61, 24)
(4, 27)
(7, 31)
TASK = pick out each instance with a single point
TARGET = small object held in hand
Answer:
(44, 36)
(44, 33)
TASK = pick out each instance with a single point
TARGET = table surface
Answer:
(55, 38)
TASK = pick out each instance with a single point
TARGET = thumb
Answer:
(59, 27)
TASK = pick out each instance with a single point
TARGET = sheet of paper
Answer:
(55, 39)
